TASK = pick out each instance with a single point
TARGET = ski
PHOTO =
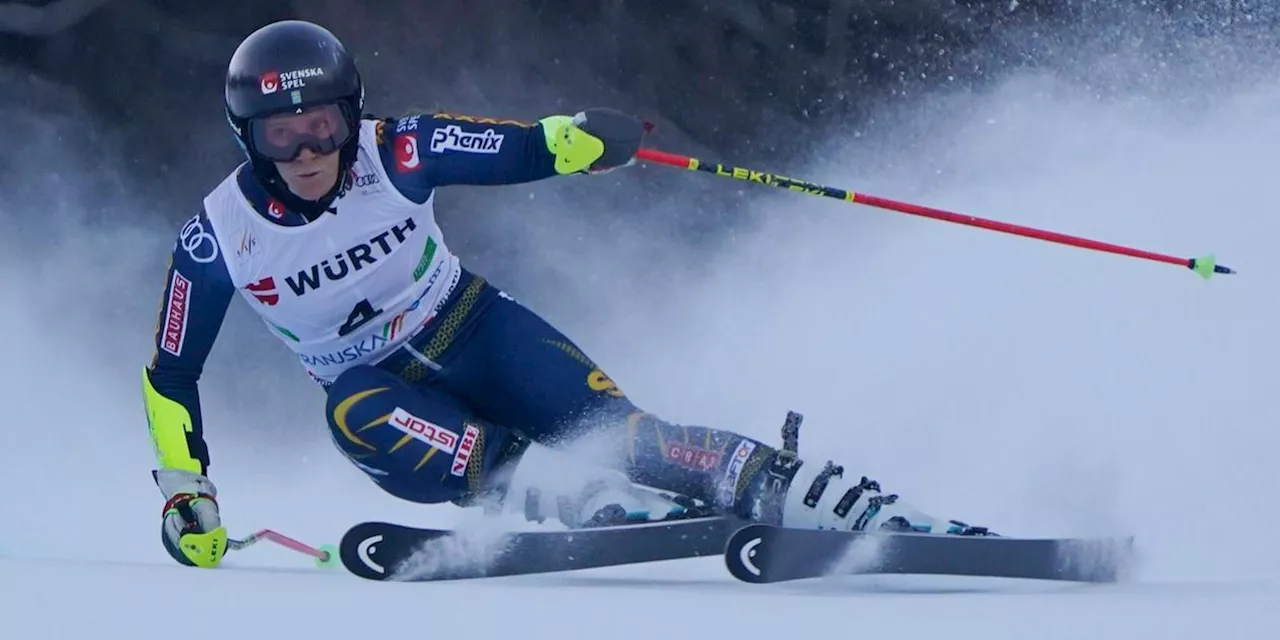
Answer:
(393, 552)
(759, 553)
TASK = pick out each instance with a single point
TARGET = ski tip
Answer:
(743, 554)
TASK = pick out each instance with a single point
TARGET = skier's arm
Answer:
(196, 295)
(426, 151)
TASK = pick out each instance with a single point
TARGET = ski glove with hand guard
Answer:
(191, 528)
(593, 141)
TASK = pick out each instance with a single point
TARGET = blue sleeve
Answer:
(197, 292)
(424, 151)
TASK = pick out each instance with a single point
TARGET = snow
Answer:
(678, 599)
(1037, 389)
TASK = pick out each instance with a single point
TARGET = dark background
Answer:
(752, 78)
(749, 82)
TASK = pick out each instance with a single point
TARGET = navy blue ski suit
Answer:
(504, 376)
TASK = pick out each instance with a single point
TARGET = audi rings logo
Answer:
(199, 244)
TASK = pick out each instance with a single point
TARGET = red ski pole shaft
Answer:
(324, 555)
(1205, 266)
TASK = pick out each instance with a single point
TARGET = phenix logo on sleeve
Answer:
(453, 138)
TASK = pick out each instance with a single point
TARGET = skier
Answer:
(439, 386)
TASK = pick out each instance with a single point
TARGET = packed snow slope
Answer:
(1035, 388)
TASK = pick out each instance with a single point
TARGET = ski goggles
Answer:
(282, 136)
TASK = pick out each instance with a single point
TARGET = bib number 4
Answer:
(360, 315)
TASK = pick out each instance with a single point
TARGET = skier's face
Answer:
(310, 174)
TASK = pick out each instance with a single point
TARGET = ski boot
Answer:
(794, 494)
(547, 483)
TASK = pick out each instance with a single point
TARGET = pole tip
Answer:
(1206, 266)
(329, 557)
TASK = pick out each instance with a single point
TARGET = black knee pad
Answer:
(419, 444)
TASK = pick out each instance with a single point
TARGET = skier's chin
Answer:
(310, 184)
(310, 176)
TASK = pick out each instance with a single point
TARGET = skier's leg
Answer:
(512, 368)
(532, 375)
(418, 444)
(519, 370)
(515, 369)
(421, 444)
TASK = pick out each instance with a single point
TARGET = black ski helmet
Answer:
(287, 67)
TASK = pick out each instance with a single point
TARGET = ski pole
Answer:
(1205, 266)
(325, 555)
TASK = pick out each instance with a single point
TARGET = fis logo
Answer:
(247, 244)
(453, 138)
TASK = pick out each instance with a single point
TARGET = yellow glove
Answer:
(593, 141)
(191, 528)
